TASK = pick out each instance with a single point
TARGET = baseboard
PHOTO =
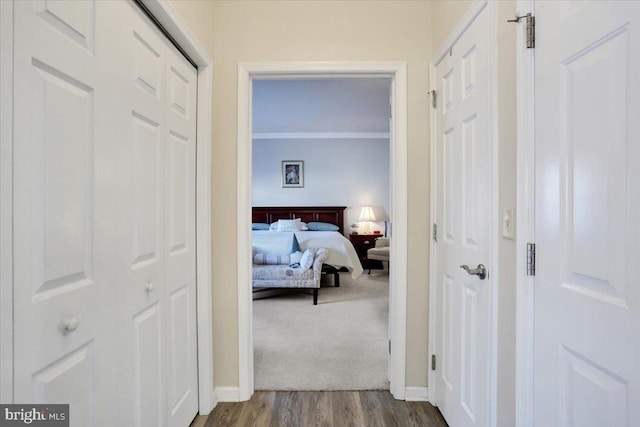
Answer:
(416, 394)
(227, 394)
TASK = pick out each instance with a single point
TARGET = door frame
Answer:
(525, 219)
(397, 72)
(164, 12)
(468, 18)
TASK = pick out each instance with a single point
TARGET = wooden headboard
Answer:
(330, 214)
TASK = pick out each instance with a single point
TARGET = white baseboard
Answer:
(416, 394)
(227, 394)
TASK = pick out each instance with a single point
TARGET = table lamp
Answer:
(366, 216)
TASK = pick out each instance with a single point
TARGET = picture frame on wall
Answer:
(292, 173)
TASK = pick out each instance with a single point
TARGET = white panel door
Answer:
(104, 215)
(141, 57)
(587, 285)
(64, 244)
(156, 199)
(463, 218)
(180, 241)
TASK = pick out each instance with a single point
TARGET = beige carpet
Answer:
(339, 344)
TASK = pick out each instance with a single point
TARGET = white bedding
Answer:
(341, 251)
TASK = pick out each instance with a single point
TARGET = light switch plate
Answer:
(509, 223)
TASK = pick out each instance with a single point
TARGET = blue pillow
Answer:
(322, 226)
(295, 246)
(259, 226)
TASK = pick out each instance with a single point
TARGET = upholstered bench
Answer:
(284, 276)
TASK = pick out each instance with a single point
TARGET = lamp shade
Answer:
(366, 214)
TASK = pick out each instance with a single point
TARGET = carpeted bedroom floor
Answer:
(340, 344)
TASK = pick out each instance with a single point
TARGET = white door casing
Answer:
(397, 72)
(463, 207)
(134, 188)
(586, 354)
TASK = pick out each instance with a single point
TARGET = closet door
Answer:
(64, 246)
(141, 217)
(105, 127)
(180, 241)
(156, 227)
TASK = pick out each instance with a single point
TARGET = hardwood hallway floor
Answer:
(323, 408)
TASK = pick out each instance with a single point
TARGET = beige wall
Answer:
(445, 14)
(247, 31)
(198, 15)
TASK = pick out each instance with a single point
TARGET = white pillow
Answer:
(307, 259)
(289, 224)
(295, 257)
(275, 226)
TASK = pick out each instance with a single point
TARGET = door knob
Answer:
(149, 286)
(69, 324)
(479, 271)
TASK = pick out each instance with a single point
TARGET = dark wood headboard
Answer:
(330, 214)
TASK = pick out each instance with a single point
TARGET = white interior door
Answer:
(180, 239)
(587, 221)
(64, 245)
(105, 215)
(463, 163)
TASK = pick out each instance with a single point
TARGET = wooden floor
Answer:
(326, 408)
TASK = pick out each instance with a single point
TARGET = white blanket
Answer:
(341, 251)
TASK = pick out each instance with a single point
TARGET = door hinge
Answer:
(433, 362)
(434, 98)
(389, 346)
(435, 232)
(390, 112)
(531, 259)
(531, 28)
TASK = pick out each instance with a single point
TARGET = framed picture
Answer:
(292, 173)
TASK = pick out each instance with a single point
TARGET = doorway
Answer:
(397, 73)
(339, 131)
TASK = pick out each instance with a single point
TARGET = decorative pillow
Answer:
(295, 257)
(289, 224)
(271, 259)
(295, 246)
(297, 225)
(322, 226)
(259, 226)
(307, 259)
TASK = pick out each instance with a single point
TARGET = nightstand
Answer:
(362, 243)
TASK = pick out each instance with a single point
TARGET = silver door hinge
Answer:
(433, 362)
(531, 28)
(389, 346)
(390, 112)
(434, 98)
(531, 259)
(435, 232)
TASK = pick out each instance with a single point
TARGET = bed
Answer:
(341, 251)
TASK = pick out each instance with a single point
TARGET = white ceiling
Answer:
(353, 106)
